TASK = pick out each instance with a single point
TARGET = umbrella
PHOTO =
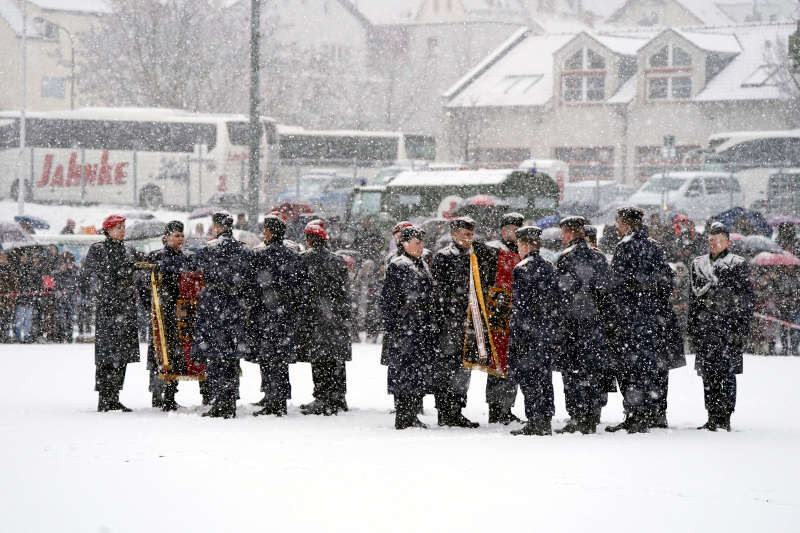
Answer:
(145, 230)
(12, 233)
(291, 210)
(753, 244)
(777, 221)
(35, 222)
(139, 215)
(250, 239)
(551, 234)
(757, 221)
(547, 222)
(484, 200)
(775, 259)
(201, 212)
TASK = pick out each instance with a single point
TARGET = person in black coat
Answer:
(220, 336)
(450, 268)
(116, 344)
(408, 309)
(164, 392)
(583, 276)
(720, 311)
(533, 319)
(324, 334)
(281, 284)
(66, 283)
(641, 285)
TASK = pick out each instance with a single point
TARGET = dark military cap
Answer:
(409, 232)
(528, 233)
(274, 222)
(173, 225)
(573, 222)
(590, 231)
(223, 218)
(630, 212)
(717, 228)
(512, 219)
(462, 222)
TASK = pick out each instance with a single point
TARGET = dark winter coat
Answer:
(281, 285)
(408, 309)
(533, 318)
(720, 311)
(450, 268)
(9, 284)
(641, 286)
(168, 292)
(324, 333)
(582, 276)
(110, 264)
(221, 325)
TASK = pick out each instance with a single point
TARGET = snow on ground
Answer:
(67, 468)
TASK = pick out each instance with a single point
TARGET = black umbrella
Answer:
(145, 230)
(12, 233)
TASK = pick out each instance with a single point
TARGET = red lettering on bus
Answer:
(73, 171)
(222, 186)
(48, 164)
(58, 176)
(89, 173)
(104, 176)
(119, 173)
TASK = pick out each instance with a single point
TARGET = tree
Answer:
(781, 71)
(187, 54)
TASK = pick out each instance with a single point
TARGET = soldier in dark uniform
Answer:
(720, 310)
(451, 270)
(533, 320)
(408, 309)
(164, 392)
(282, 284)
(324, 335)
(583, 275)
(502, 393)
(641, 285)
(116, 340)
(220, 336)
(591, 235)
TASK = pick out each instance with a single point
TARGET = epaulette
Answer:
(565, 251)
(626, 238)
(523, 262)
(401, 259)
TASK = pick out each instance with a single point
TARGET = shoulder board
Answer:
(401, 260)
(523, 262)
(565, 251)
(626, 238)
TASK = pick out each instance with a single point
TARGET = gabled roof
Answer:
(723, 43)
(518, 74)
(12, 14)
(706, 11)
(382, 12)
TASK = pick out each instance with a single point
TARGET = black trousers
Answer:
(537, 390)
(223, 380)
(109, 378)
(275, 381)
(583, 394)
(450, 386)
(719, 391)
(644, 394)
(500, 392)
(330, 380)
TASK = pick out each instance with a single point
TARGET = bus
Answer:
(140, 156)
(753, 156)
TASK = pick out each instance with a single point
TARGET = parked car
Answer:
(697, 194)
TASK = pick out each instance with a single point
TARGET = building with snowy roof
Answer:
(603, 101)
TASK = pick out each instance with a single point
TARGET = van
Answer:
(697, 194)
(783, 192)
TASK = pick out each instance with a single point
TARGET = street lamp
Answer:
(40, 20)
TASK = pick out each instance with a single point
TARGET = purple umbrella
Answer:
(777, 221)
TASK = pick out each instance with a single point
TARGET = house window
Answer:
(584, 77)
(669, 75)
(53, 87)
(587, 163)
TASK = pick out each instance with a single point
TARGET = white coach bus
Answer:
(128, 155)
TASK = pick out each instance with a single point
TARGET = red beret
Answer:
(400, 225)
(317, 222)
(313, 229)
(112, 220)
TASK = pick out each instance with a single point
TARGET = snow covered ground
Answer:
(67, 468)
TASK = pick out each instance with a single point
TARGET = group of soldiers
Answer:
(601, 325)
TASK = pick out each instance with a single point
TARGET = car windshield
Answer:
(659, 183)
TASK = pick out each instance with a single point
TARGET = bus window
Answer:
(366, 203)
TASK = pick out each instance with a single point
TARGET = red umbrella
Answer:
(775, 259)
(291, 210)
(483, 199)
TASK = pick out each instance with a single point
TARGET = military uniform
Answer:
(641, 285)
(720, 311)
(532, 331)
(582, 274)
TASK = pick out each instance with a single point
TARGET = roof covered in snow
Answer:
(725, 43)
(381, 12)
(449, 178)
(706, 11)
(519, 73)
(12, 14)
(86, 6)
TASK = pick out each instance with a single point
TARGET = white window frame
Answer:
(670, 72)
(584, 74)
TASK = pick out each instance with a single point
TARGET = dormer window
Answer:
(584, 77)
(669, 74)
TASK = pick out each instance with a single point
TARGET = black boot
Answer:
(406, 414)
(659, 421)
(318, 407)
(620, 427)
(274, 407)
(103, 402)
(115, 404)
(572, 426)
(221, 409)
(501, 415)
(724, 421)
(261, 403)
(157, 401)
(536, 426)
(458, 420)
(637, 423)
(169, 403)
(588, 425)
